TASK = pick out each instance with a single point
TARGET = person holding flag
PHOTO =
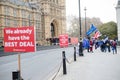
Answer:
(91, 45)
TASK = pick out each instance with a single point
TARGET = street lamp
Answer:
(85, 21)
(80, 43)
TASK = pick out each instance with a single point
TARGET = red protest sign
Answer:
(74, 40)
(19, 39)
(63, 40)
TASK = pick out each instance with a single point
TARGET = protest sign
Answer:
(20, 39)
(63, 40)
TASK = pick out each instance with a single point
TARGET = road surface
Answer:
(40, 65)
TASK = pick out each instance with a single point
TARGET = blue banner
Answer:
(92, 29)
(86, 43)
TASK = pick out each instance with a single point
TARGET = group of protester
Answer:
(109, 45)
(104, 45)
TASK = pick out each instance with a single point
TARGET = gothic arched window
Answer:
(52, 30)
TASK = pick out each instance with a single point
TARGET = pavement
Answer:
(92, 66)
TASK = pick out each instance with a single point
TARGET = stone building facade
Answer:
(47, 16)
(118, 19)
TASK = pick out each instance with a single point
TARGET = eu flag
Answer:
(92, 29)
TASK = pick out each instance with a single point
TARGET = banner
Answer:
(92, 29)
(86, 43)
(74, 40)
(97, 34)
(19, 39)
(63, 40)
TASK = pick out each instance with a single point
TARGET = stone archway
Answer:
(54, 28)
(54, 32)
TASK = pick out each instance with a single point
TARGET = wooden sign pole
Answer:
(19, 65)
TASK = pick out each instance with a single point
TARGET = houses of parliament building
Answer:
(47, 16)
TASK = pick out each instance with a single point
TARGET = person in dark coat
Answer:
(114, 46)
(108, 44)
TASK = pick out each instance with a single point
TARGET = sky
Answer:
(103, 9)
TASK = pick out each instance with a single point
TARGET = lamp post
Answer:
(85, 21)
(80, 43)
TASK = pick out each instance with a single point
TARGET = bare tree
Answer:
(74, 28)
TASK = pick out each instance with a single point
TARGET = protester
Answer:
(114, 46)
(91, 46)
(86, 44)
(102, 46)
(108, 44)
(96, 44)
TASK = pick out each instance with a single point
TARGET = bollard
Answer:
(16, 75)
(64, 63)
(74, 53)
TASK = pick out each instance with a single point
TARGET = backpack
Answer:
(113, 43)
